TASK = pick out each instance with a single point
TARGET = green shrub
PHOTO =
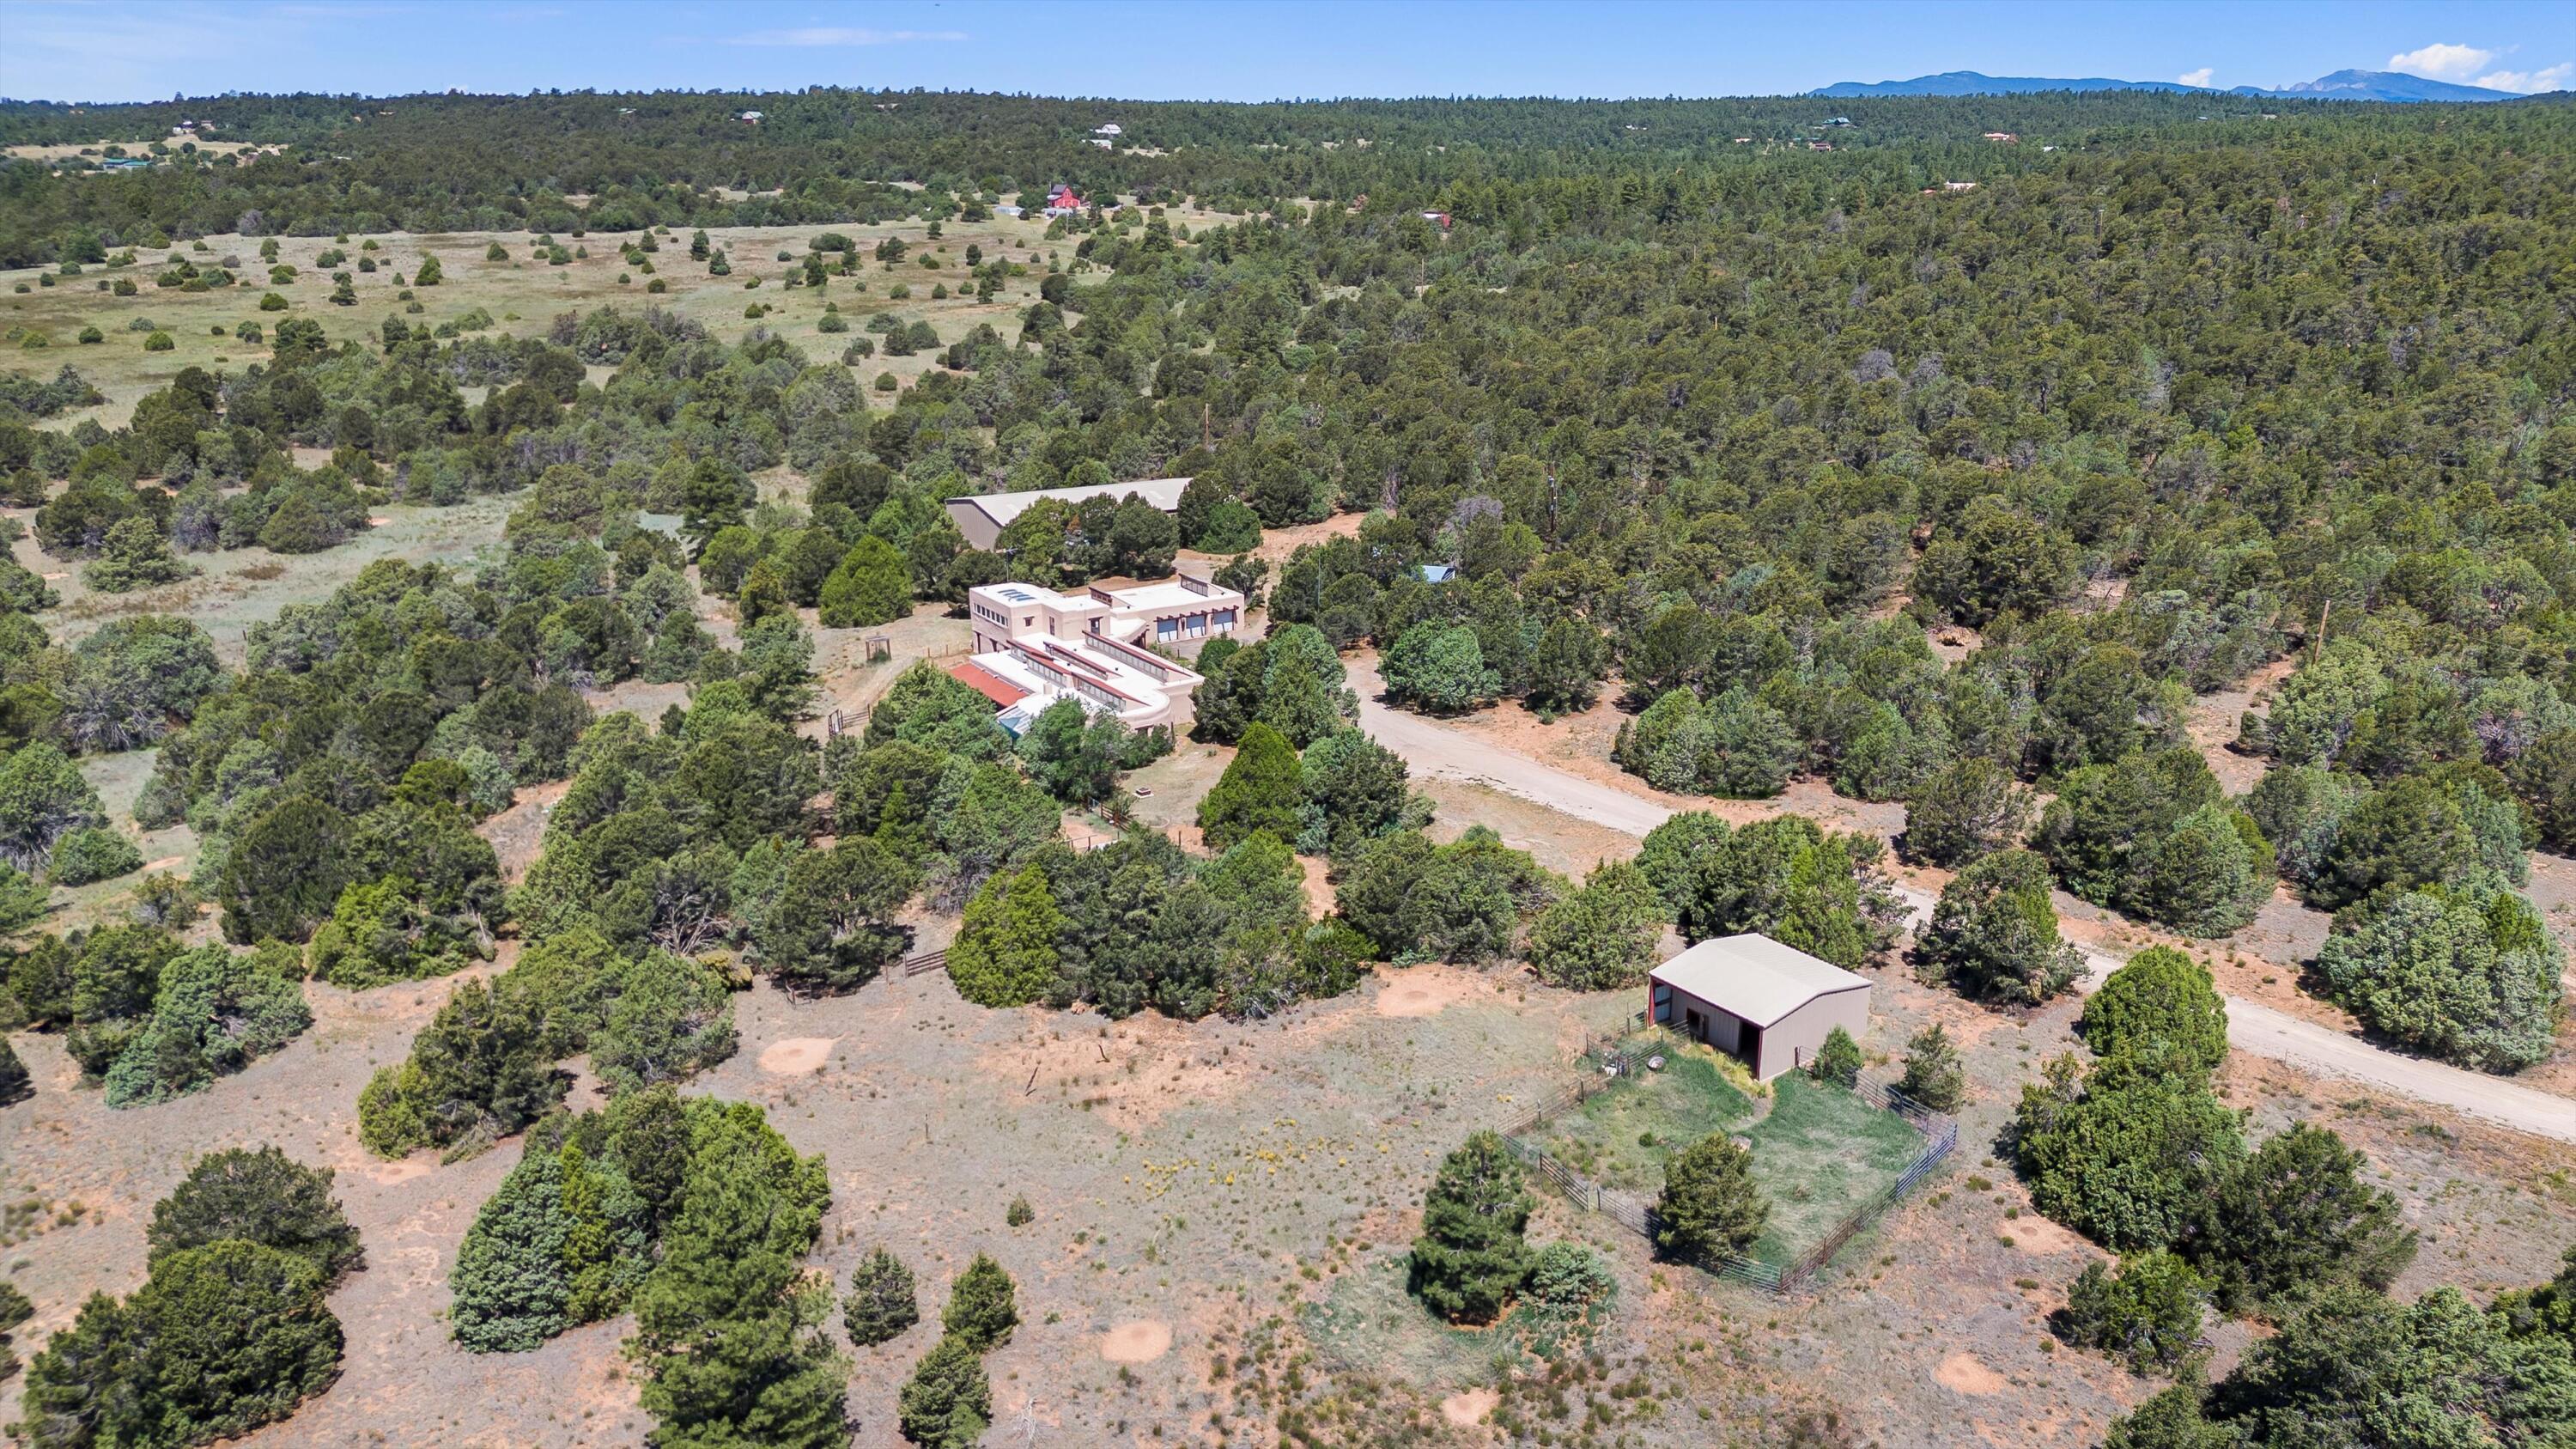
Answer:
(1005, 953)
(948, 1401)
(2160, 994)
(2146, 1316)
(217, 1342)
(881, 1303)
(2130, 1154)
(1709, 1206)
(1568, 1281)
(159, 342)
(1933, 1076)
(1601, 937)
(93, 853)
(2297, 1216)
(1993, 934)
(213, 1013)
(982, 1306)
(1839, 1060)
(15, 1083)
(261, 1196)
(2469, 974)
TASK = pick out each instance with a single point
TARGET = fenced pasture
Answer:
(1830, 1160)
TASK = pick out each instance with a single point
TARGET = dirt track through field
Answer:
(1436, 749)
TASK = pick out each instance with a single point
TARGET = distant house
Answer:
(1743, 140)
(1007, 211)
(1102, 142)
(1820, 145)
(1767, 1005)
(750, 118)
(1838, 120)
(981, 517)
(1063, 200)
(1108, 130)
(1439, 573)
(1438, 218)
(1958, 186)
(2004, 137)
(124, 163)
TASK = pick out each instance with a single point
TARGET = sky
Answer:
(113, 50)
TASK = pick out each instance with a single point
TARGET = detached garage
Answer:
(1767, 1005)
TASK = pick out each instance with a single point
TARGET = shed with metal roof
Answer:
(1768, 1005)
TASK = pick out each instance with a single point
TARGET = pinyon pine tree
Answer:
(1471, 1256)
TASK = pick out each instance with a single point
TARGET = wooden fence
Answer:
(1612, 1059)
(927, 961)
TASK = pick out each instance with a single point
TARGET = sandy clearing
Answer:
(2040, 1237)
(797, 1054)
(405, 1170)
(164, 863)
(1468, 1407)
(1142, 1341)
(1424, 990)
(1961, 1373)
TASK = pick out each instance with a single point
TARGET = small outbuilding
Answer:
(1768, 1005)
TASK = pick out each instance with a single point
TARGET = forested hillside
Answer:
(1823, 464)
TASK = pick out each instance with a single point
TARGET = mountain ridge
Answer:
(2346, 85)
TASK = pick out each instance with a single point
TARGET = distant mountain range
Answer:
(2343, 85)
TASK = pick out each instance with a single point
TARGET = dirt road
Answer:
(1432, 748)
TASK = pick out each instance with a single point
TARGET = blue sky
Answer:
(1257, 50)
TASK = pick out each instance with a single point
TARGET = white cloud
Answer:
(2529, 82)
(2444, 62)
(817, 36)
(2198, 77)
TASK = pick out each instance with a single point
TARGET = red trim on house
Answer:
(985, 682)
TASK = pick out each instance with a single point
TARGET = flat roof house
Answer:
(1045, 646)
(1767, 1005)
(983, 516)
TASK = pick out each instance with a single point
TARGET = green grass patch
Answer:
(1621, 1137)
(1818, 1151)
(1821, 1152)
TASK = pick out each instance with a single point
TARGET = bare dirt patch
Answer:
(519, 832)
(1141, 1341)
(1961, 1373)
(1468, 1407)
(1426, 990)
(2042, 1238)
(164, 863)
(797, 1054)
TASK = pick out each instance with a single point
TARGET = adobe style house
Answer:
(1767, 1005)
(981, 517)
(1034, 646)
